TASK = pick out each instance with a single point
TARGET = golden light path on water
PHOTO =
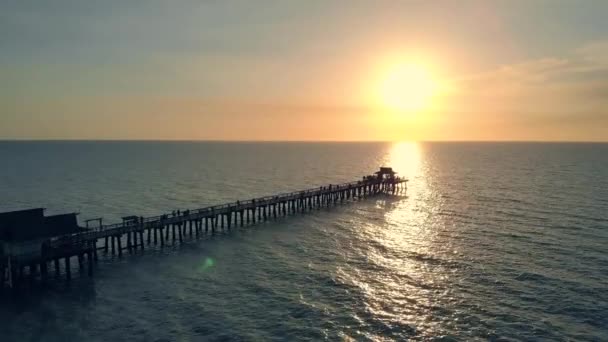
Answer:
(405, 279)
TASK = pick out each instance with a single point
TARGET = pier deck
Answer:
(135, 232)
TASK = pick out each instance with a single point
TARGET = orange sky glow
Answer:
(365, 72)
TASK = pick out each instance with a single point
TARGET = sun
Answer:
(406, 87)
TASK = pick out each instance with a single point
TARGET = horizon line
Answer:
(298, 141)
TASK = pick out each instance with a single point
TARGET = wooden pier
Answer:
(135, 233)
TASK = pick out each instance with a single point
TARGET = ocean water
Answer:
(493, 241)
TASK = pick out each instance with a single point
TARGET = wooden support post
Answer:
(118, 242)
(68, 269)
(90, 260)
(56, 262)
(10, 270)
(95, 256)
(129, 243)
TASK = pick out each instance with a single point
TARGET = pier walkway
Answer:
(136, 232)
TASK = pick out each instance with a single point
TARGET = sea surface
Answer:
(493, 241)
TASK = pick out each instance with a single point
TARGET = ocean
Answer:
(493, 241)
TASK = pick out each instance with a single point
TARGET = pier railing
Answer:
(171, 228)
(193, 214)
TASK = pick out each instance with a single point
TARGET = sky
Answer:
(303, 70)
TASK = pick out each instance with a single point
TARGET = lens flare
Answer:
(207, 264)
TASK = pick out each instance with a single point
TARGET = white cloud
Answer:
(563, 83)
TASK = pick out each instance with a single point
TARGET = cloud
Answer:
(596, 54)
(563, 82)
(562, 97)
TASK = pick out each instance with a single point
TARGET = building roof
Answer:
(62, 224)
(31, 224)
(386, 171)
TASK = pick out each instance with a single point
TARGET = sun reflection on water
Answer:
(407, 221)
(408, 268)
(405, 158)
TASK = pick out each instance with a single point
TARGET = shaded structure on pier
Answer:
(21, 226)
(386, 173)
(25, 237)
(30, 239)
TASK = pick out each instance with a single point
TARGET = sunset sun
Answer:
(406, 87)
